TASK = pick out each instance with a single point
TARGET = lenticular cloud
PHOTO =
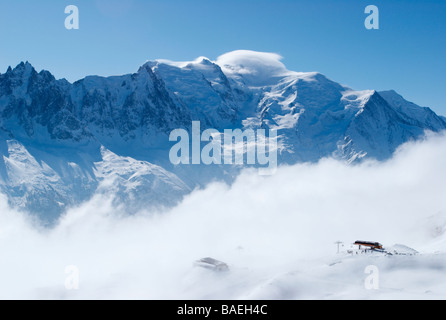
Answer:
(276, 233)
(257, 67)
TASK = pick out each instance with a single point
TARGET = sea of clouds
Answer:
(276, 233)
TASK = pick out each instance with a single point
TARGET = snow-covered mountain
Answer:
(60, 142)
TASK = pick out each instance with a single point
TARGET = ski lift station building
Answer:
(369, 244)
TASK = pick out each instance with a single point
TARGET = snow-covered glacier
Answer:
(62, 142)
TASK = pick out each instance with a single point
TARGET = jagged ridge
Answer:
(59, 132)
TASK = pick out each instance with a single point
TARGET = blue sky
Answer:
(407, 53)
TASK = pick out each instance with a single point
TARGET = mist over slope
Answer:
(277, 234)
(57, 138)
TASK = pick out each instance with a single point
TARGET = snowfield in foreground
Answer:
(275, 233)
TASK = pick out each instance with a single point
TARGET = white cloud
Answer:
(263, 227)
(257, 68)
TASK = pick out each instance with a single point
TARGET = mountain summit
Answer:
(60, 141)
